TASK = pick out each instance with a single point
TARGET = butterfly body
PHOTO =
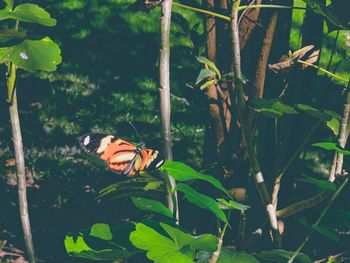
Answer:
(121, 156)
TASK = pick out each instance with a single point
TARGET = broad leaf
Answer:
(319, 114)
(33, 55)
(327, 232)
(322, 184)
(210, 64)
(202, 201)
(9, 4)
(10, 37)
(183, 173)
(273, 108)
(29, 13)
(102, 231)
(151, 205)
(101, 242)
(232, 204)
(159, 248)
(331, 146)
(228, 255)
(283, 256)
(204, 74)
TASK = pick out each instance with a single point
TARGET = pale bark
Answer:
(20, 164)
(164, 92)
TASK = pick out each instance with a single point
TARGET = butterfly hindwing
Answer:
(119, 155)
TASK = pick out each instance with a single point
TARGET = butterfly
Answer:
(121, 156)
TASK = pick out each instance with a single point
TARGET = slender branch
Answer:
(243, 7)
(227, 18)
(215, 256)
(203, 11)
(325, 210)
(243, 116)
(164, 92)
(322, 69)
(333, 50)
(342, 139)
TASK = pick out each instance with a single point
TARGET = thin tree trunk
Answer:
(242, 108)
(164, 92)
(247, 23)
(337, 165)
(20, 164)
(259, 82)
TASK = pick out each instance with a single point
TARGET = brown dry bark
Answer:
(248, 23)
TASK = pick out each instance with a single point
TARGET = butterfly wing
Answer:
(120, 156)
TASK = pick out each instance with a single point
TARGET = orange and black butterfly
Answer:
(121, 156)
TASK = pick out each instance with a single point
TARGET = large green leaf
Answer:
(331, 146)
(29, 13)
(33, 55)
(210, 64)
(151, 205)
(282, 256)
(327, 232)
(159, 248)
(319, 114)
(202, 201)
(101, 242)
(183, 173)
(204, 74)
(322, 184)
(273, 108)
(10, 37)
(228, 255)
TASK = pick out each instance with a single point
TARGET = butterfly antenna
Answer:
(136, 132)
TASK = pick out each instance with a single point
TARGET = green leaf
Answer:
(151, 205)
(327, 232)
(314, 112)
(159, 248)
(33, 55)
(10, 37)
(331, 146)
(232, 204)
(206, 242)
(177, 18)
(210, 64)
(207, 84)
(204, 74)
(29, 13)
(202, 201)
(322, 184)
(273, 108)
(334, 125)
(102, 231)
(152, 185)
(101, 242)
(228, 255)
(282, 255)
(183, 173)
(9, 4)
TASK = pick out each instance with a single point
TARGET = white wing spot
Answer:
(23, 56)
(87, 140)
(159, 164)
